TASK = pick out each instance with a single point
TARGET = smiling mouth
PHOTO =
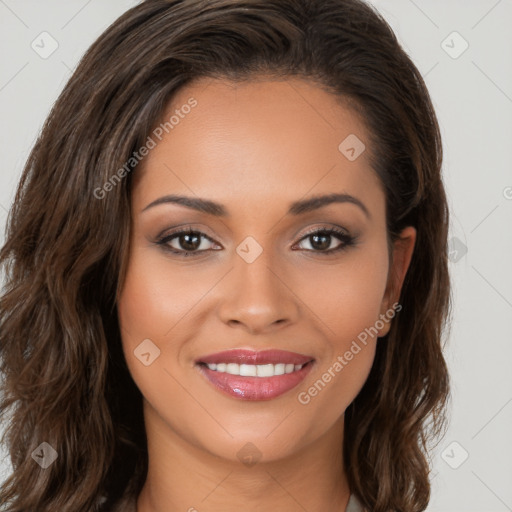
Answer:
(255, 375)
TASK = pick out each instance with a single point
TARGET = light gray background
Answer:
(472, 94)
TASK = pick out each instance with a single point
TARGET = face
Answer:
(297, 292)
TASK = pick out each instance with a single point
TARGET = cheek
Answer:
(148, 308)
(347, 302)
(156, 296)
(160, 303)
(153, 306)
(347, 297)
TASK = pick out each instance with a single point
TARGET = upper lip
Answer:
(247, 356)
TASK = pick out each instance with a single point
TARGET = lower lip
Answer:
(255, 388)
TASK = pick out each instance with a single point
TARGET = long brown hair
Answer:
(65, 380)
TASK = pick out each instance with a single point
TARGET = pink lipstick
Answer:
(255, 375)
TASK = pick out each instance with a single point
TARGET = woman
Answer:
(226, 269)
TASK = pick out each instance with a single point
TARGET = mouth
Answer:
(255, 375)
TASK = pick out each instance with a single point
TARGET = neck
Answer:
(182, 476)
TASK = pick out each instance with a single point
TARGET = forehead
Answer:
(258, 141)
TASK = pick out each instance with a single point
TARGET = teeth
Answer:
(233, 368)
(255, 370)
(279, 369)
(248, 370)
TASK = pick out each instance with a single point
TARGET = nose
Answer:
(257, 297)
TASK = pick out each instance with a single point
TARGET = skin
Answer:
(255, 147)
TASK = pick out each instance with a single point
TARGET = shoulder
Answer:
(126, 504)
(354, 505)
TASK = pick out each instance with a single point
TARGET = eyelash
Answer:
(346, 239)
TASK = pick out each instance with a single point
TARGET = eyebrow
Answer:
(296, 208)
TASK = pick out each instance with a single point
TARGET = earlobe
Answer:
(403, 249)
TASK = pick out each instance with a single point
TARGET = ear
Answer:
(403, 248)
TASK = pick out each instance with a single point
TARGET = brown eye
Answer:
(321, 240)
(189, 241)
(186, 242)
